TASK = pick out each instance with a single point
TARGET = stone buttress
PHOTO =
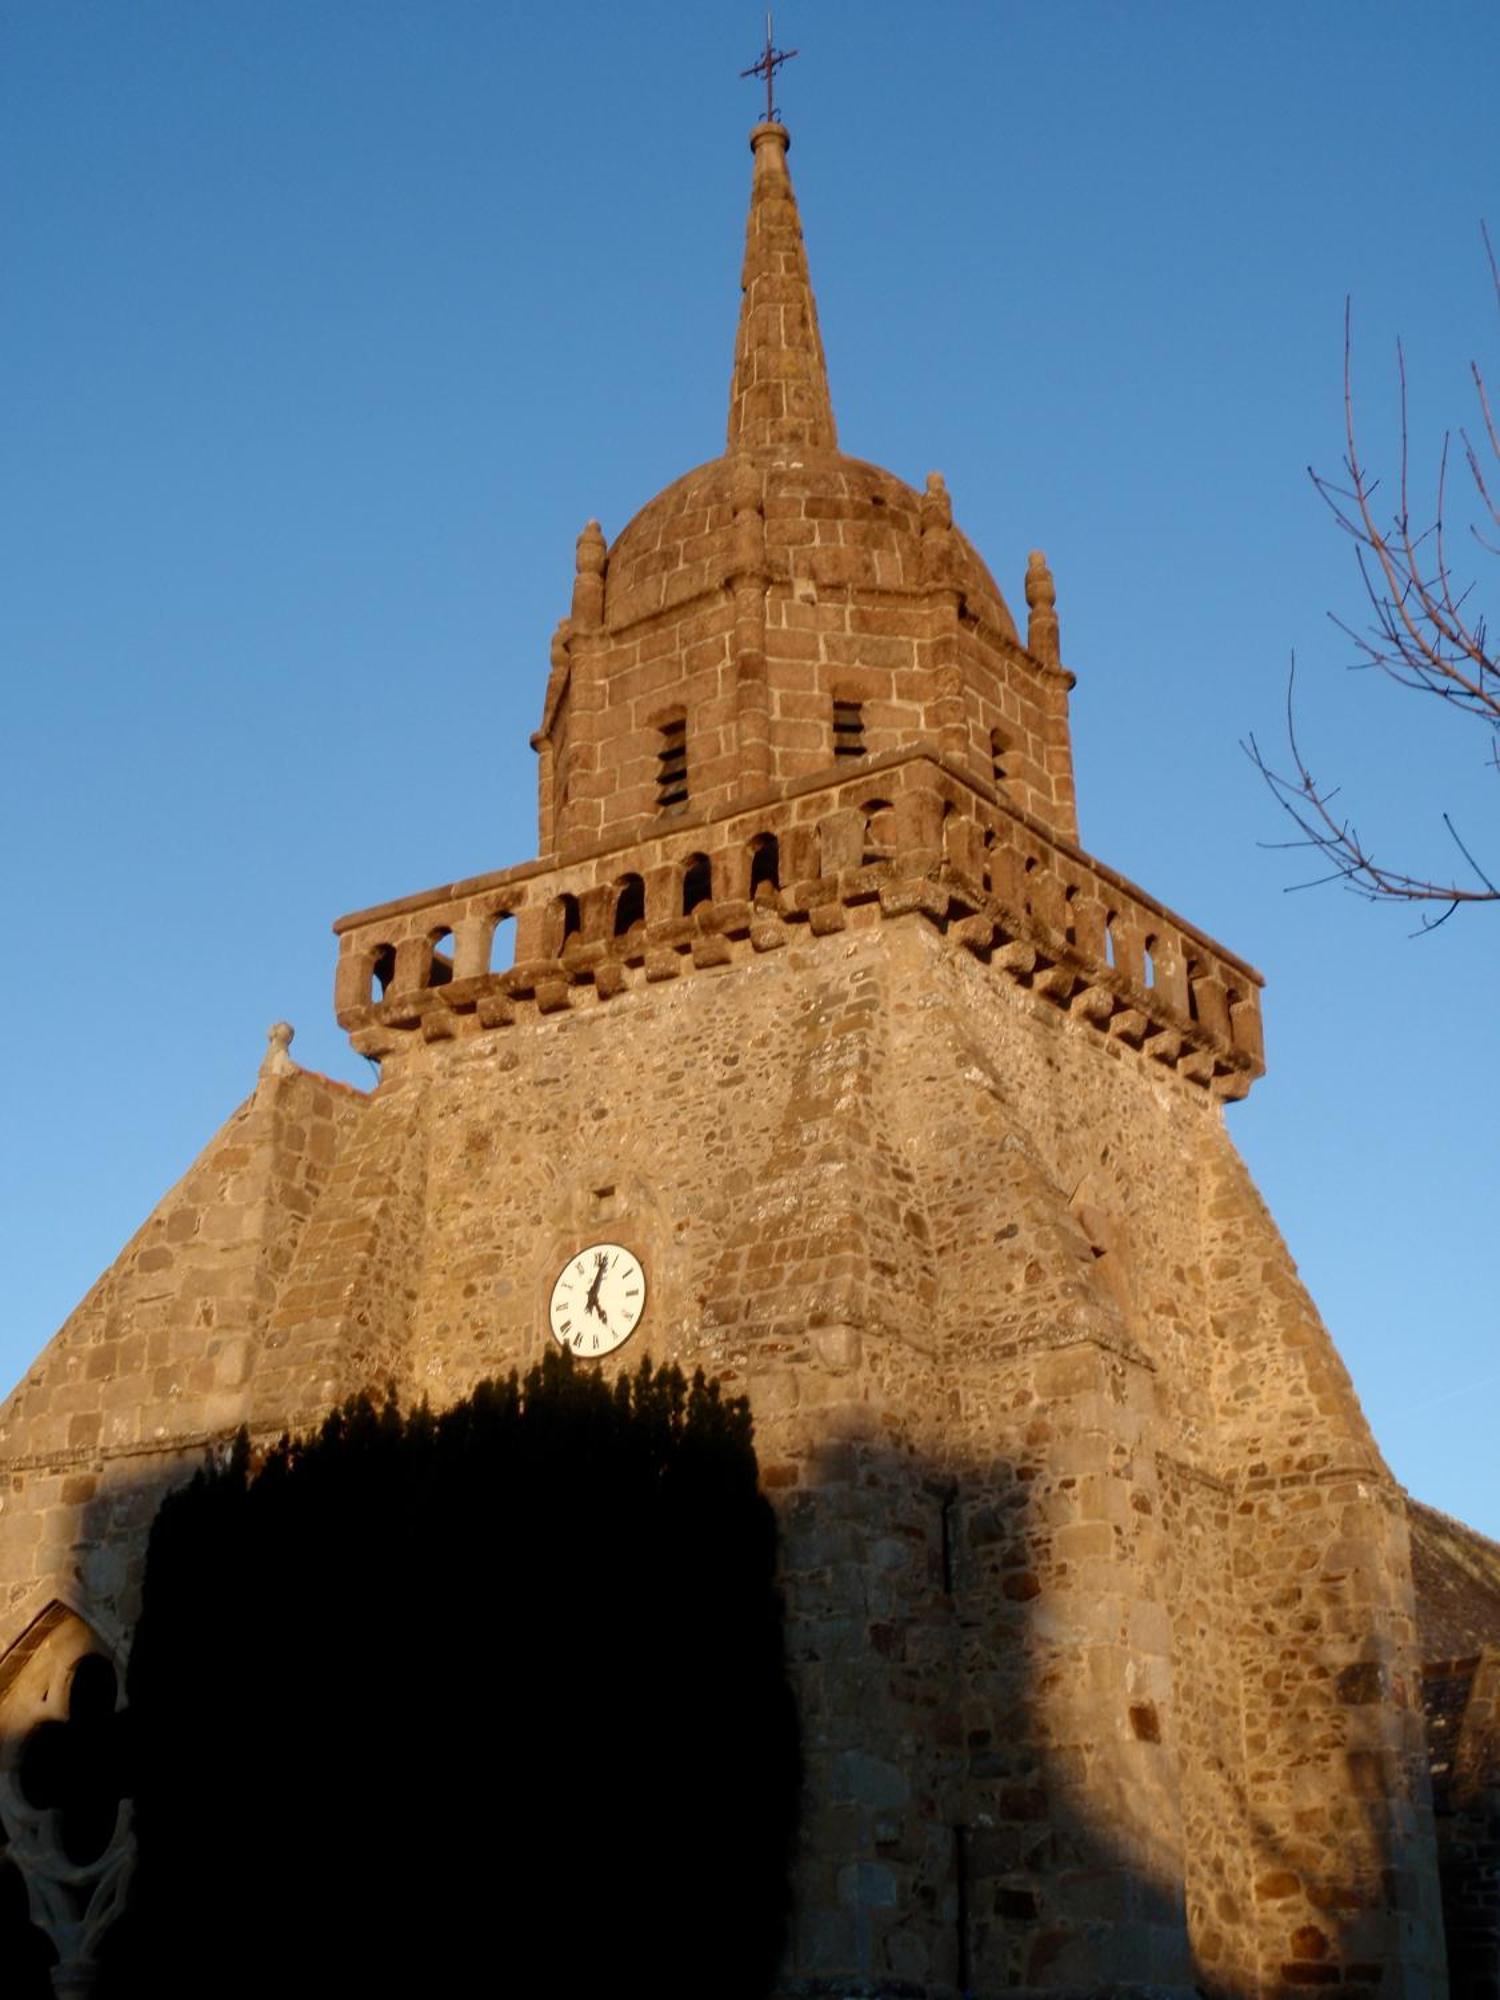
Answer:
(1100, 1595)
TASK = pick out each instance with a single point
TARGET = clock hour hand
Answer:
(591, 1303)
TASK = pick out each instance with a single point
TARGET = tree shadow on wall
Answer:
(552, 1748)
(494, 1701)
(1007, 1791)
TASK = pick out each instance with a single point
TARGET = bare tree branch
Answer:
(1422, 630)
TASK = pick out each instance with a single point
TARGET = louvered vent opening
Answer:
(671, 765)
(848, 729)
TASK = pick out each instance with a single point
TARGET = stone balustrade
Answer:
(906, 834)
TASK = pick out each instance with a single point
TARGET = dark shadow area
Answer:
(26, 1957)
(493, 1701)
(508, 1700)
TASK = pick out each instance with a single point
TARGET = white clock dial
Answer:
(598, 1300)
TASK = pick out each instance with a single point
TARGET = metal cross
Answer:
(771, 60)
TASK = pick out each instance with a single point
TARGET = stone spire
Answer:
(779, 394)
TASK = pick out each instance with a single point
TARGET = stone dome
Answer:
(831, 521)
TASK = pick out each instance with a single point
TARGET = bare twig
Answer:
(1422, 630)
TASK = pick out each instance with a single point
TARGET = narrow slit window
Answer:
(848, 729)
(671, 765)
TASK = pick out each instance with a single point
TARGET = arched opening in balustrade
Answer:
(1196, 970)
(880, 830)
(1235, 999)
(765, 867)
(989, 852)
(502, 952)
(440, 958)
(563, 922)
(697, 883)
(1111, 917)
(1149, 947)
(630, 904)
(1070, 913)
(1028, 869)
(382, 970)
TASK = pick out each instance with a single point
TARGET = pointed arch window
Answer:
(65, 1786)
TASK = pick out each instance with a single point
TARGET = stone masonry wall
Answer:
(985, 1269)
(931, 1221)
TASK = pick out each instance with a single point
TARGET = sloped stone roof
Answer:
(1457, 1577)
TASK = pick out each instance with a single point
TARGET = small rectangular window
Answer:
(848, 729)
(671, 765)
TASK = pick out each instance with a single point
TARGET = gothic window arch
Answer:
(64, 1790)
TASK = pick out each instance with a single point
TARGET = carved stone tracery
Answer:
(64, 1812)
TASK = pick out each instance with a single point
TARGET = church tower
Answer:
(909, 1113)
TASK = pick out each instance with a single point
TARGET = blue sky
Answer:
(325, 327)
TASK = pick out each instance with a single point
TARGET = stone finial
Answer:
(588, 583)
(276, 1061)
(937, 531)
(937, 503)
(779, 391)
(1041, 599)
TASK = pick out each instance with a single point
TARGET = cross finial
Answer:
(770, 61)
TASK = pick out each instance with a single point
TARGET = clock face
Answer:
(598, 1300)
